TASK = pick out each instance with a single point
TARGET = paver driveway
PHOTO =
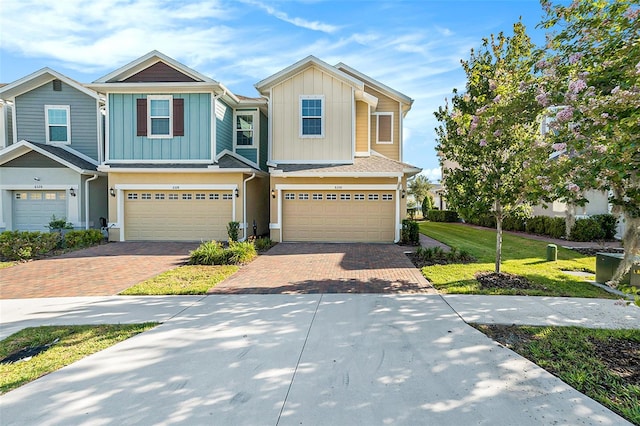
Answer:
(97, 271)
(296, 268)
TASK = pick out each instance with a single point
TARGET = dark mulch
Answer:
(622, 357)
(591, 251)
(503, 280)
(420, 262)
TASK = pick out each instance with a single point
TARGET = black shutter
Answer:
(141, 113)
(178, 117)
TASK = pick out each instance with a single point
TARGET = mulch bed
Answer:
(503, 280)
(591, 251)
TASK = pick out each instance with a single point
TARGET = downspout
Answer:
(398, 221)
(86, 200)
(244, 206)
(214, 124)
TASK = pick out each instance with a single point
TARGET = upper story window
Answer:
(160, 116)
(246, 126)
(385, 127)
(311, 116)
(57, 118)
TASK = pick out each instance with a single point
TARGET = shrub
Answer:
(435, 255)
(586, 230)
(427, 204)
(536, 225)
(232, 230)
(82, 238)
(410, 232)
(263, 243)
(57, 224)
(442, 216)
(241, 252)
(555, 227)
(214, 253)
(514, 223)
(608, 224)
(24, 245)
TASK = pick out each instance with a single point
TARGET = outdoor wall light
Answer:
(237, 193)
(37, 179)
(404, 193)
(112, 192)
(72, 192)
(273, 193)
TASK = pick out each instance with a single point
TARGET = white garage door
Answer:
(177, 215)
(339, 216)
(33, 210)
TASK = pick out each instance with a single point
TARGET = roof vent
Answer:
(57, 85)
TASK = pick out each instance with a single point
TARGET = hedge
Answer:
(25, 245)
(410, 232)
(442, 216)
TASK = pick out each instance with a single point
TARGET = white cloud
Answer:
(298, 22)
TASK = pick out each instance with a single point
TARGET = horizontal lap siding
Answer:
(386, 104)
(125, 145)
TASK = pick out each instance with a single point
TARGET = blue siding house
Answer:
(51, 148)
(182, 154)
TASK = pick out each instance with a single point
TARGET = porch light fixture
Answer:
(237, 193)
(404, 193)
(72, 192)
(112, 192)
(273, 193)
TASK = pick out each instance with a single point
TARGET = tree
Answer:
(419, 187)
(592, 75)
(427, 204)
(491, 132)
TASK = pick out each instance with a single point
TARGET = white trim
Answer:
(334, 162)
(369, 129)
(206, 161)
(325, 187)
(67, 111)
(214, 125)
(40, 78)
(255, 129)
(3, 124)
(237, 157)
(38, 187)
(362, 154)
(400, 131)
(353, 122)
(14, 122)
(378, 115)
(338, 175)
(168, 98)
(302, 117)
(269, 129)
(210, 169)
(107, 125)
(99, 132)
(22, 147)
(376, 84)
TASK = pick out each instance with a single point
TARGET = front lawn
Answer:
(189, 279)
(37, 351)
(520, 256)
(602, 364)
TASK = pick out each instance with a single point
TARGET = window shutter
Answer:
(141, 113)
(178, 117)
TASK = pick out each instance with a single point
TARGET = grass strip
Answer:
(185, 280)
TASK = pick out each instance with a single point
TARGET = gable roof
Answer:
(392, 93)
(374, 165)
(37, 79)
(145, 62)
(56, 153)
(309, 61)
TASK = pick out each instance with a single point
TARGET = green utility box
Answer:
(606, 265)
(552, 252)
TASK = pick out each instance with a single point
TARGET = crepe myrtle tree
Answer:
(491, 132)
(591, 74)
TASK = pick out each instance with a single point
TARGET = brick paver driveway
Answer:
(97, 271)
(328, 268)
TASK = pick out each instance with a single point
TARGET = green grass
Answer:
(586, 359)
(6, 264)
(75, 342)
(520, 256)
(189, 279)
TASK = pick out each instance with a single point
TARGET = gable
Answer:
(33, 159)
(159, 73)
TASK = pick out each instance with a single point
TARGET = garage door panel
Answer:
(177, 216)
(339, 216)
(32, 210)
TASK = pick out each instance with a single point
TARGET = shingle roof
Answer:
(67, 156)
(225, 162)
(371, 164)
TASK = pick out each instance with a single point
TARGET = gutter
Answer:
(86, 200)
(245, 225)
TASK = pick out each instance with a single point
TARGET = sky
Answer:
(413, 46)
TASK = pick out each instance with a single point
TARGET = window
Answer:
(50, 196)
(35, 196)
(159, 196)
(289, 196)
(21, 195)
(311, 116)
(358, 197)
(373, 197)
(303, 196)
(173, 196)
(387, 197)
(200, 197)
(132, 196)
(227, 197)
(345, 197)
(317, 196)
(145, 196)
(57, 123)
(332, 197)
(246, 126)
(159, 116)
(187, 196)
(385, 127)
(214, 196)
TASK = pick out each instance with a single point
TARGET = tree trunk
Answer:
(498, 236)
(631, 241)
(570, 218)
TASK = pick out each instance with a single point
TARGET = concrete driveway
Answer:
(97, 271)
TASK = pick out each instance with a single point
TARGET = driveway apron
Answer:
(305, 268)
(97, 271)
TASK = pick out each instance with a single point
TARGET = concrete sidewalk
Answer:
(299, 359)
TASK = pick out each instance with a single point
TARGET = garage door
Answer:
(339, 216)
(32, 210)
(177, 215)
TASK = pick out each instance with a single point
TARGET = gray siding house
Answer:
(49, 154)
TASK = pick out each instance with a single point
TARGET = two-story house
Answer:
(50, 149)
(335, 154)
(183, 154)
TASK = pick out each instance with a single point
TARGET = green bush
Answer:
(427, 204)
(436, 255)
(410, 232)
(555, 227)
(536, 225)
(586, 230)
(442, 216)
(214, 253)
(608, 224)
(514, 223)
(83, 238)
(241, 252)
(57, 224)
(263, 243)
(24, 245)
(232, 230)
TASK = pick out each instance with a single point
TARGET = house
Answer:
(50, 146)
(184, 155)
(335, 154)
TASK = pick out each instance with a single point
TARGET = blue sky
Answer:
(413, 46)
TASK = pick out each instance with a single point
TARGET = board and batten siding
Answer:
(336, 145)
(386, 104)
(30, 119)
(125, 145)
(224, 127)
(362, 126)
